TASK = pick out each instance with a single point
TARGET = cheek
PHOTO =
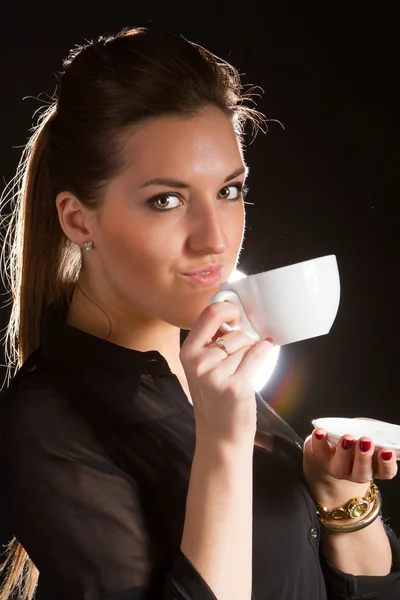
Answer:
(136, 251)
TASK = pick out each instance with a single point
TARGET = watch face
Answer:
(384, 435)
(359, 508)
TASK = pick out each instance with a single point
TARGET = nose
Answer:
(206, 234)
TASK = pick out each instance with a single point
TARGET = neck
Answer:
(114, 325)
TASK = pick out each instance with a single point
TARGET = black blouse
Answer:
(98, 442)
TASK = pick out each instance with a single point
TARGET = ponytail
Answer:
(19, 572)
(37, 245)
(40, 267)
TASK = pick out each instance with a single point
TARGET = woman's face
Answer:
(176, 208)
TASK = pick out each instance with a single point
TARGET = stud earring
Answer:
(88, 246)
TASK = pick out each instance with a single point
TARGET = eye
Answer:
(164, 202)
(234, 192)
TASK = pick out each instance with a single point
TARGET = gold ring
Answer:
(221, 344)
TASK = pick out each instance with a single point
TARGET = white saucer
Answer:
(384, 435)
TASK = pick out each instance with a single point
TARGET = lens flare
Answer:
(289, 393)
(267, 368)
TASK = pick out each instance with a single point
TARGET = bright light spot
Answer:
(268, 366)
(266, 369)
(236, 275)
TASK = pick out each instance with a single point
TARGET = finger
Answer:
(239, 369)
(342, 460)
(207, 325)
(237, 344)
(363, 461)
(386, 464)
(320, 446)
(253, 359)
(234, 340)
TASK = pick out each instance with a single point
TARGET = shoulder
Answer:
(39, 411)
(36, 385)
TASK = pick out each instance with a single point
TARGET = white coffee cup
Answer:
(289, 304)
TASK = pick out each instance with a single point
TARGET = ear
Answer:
(74, 218)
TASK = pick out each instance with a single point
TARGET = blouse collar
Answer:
(81, 351)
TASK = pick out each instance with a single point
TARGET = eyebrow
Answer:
(181, 184)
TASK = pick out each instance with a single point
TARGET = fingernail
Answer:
(365, 446)
(347, 444)
(387, 455)
(270, 340)
(320, 436)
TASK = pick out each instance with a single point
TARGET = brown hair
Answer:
(107, 86)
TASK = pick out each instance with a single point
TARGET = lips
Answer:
(206, 269)
(208, 276)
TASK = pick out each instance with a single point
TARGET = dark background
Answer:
(326, 183)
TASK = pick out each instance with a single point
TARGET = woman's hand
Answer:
(219, 506)
(335, 474)
(221, 386)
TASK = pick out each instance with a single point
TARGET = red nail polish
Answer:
(270, 340)
(365, 446)
(347, 444)
(387, 455)
(320, 436)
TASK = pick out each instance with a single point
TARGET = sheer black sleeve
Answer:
(80, 516)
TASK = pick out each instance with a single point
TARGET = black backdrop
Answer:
(326, 183)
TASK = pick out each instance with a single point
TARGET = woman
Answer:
(136, 466)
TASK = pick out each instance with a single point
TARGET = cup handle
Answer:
(245, 324)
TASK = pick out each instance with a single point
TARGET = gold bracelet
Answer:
(361, 524)
(356, 508)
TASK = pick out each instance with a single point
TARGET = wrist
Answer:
(355, 515)
(223, 454)
(337, 492)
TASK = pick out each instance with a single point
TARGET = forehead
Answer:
(199, 144)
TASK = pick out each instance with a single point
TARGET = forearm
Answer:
(364, 552)
(217, 535)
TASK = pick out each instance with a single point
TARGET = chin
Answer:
(187, 314)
